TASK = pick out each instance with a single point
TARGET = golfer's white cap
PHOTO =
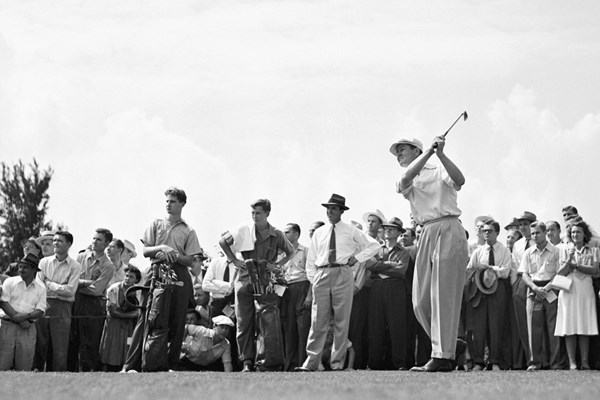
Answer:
(410, 141)
(222, 320)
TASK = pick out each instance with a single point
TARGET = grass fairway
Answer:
(303, 386)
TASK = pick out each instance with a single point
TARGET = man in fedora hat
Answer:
(334, 249)
(23, 301)
(519, 288)
(442, 255)
(488, 313)
(388, 302)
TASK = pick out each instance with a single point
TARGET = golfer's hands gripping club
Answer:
(438, 144)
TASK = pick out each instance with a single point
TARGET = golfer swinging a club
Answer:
(442, 254)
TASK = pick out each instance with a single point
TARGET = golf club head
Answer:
(465, 115)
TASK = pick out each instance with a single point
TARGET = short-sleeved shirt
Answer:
(24, 298)
(179, 236)
(432, 194)
(540, 265)
(587, 255)
(295, 269)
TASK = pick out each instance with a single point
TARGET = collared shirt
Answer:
(214, 279)
(432, 194)
(119, 275)
(397, 254)
(267, 247)
(349, 241)
(24, 298)
(540, 265)
(95, 274)
(502, 258)
(199, 347)
(295, 269)
(60, 277)
(587, 256)
(179, 236)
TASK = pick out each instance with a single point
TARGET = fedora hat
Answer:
(129, 246)
(512, 224)
(486, 280)
(31, 260)
(410, 141)
(483, 218)
(376, 213)
(395, 222)
(527, 216)
(336, 200)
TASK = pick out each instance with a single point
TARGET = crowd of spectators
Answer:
(528, 304)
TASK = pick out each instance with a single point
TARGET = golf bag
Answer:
(155, 318)
(269, 340)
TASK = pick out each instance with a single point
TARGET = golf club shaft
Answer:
(462, 115)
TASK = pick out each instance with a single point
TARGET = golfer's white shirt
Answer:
(432, 194)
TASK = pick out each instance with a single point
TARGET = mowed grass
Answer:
(506, 385)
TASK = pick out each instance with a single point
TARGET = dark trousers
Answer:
(52, 344)
(296, 324)
(84, 344)
(419, 344)
(182, 298)
(358, 332)
(488, 321)
(388, 333)
(519, 298)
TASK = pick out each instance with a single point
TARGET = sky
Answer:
(295, 100)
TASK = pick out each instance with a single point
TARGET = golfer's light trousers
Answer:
(440, 270)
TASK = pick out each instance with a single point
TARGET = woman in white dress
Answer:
(576, 317)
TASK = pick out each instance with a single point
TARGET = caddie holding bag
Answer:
(259, 245)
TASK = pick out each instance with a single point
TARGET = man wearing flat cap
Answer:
(442, 256)
(488, 313)
(388, 303)
(334, 249)
(23, 301)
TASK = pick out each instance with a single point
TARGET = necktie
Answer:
(491, 260)
(526, 244)
(332, 253)
(226, 273)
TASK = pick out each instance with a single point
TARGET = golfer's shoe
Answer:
(435, 365)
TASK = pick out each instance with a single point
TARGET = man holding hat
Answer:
(205, 348)
(442, 255)
(487, 311)
(388, 303)
(23, 301)
(334, 249)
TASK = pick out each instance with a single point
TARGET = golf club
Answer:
(463, 115)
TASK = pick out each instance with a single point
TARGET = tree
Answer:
(23, 207)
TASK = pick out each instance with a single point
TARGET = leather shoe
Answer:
(302, 369)
(247, 367)
(533, 368)
(435, 365)
(476, 368)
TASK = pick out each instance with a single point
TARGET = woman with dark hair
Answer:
(576, 317)
(114, 252)
(120, 321)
